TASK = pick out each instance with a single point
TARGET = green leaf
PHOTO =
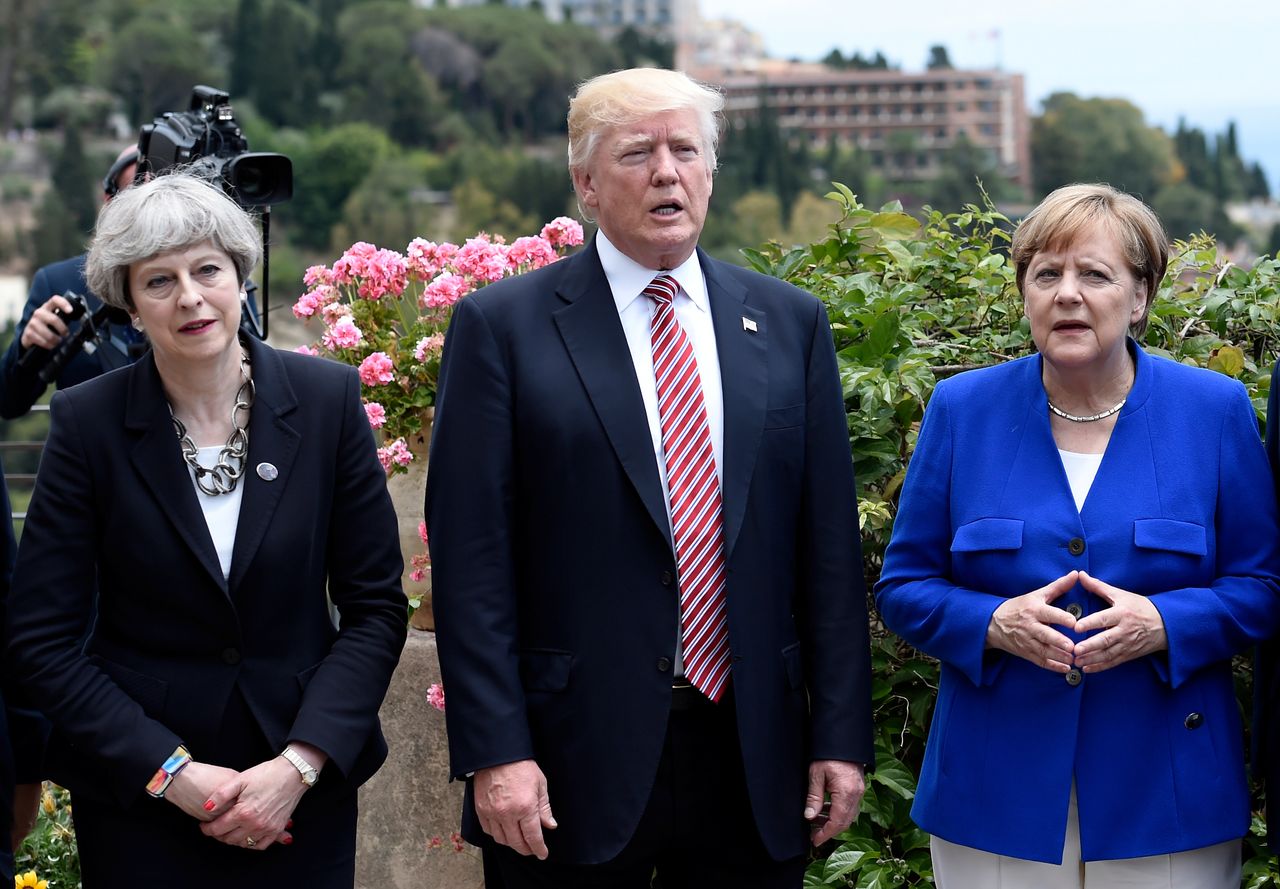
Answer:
(894, 226)
(1228, 360)
(894, 776)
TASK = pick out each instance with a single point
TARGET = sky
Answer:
(1206, 62)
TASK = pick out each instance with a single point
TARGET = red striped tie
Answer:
(694, 492)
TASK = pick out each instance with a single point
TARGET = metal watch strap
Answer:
(306, 770)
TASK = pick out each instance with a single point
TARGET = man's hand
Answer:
(1131, 627)
(513, 806)
(46, 327)
(1022, 626)
(26, 806)
(844, 782)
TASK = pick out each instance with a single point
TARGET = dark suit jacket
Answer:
(552, 562)
(174, 641)
(1266, 674)
(21, 731)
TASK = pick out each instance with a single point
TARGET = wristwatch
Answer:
(305, 769)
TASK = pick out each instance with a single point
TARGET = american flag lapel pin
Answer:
(748, 325)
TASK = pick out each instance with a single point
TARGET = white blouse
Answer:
(221, 512)
(1081, 470)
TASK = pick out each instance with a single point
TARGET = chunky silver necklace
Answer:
(223, 476)
(1092, 419)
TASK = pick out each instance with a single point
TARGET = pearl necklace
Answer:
(1091, 419)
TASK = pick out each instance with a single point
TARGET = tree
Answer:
(1099, 140)
(73, 180)
(639, 49)
(326, 172)
(246, 47)
(939, 59)
(152, 64)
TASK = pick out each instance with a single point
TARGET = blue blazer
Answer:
(1181, 511)
(175, 645)
(552, 563)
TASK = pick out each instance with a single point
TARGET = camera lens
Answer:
(258, 178)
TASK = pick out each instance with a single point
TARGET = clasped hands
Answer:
(1128, 629)
(251, 809)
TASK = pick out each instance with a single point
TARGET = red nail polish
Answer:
(208, 805)
(287, 841)
(289, 824)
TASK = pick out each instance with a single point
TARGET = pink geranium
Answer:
(317, 274)
(445, 290)
(395, 454)
(376, 414)
(482, 260)
(307, 350)
(435, 695)
(527, 254)
(562, 232)
(428, 346)
(377, 370)
(426, 259)
(375, 272)
(342, 335)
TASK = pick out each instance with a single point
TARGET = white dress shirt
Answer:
(627, 280)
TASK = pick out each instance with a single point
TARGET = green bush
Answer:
(911, 302)
(50, 849)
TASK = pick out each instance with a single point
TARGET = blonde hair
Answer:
(1073, 211)
(624, 97)
(171, 212)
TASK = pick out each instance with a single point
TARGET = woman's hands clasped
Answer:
(1129, 628)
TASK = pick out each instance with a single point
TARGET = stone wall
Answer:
(411, 799)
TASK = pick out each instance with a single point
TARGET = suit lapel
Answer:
(744, 380)
(271, 440)
(593, 336)
(158, 460)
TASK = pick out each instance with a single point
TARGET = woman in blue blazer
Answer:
(214, 723)
(1085, 538)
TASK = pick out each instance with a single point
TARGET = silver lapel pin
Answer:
(267, 472)
(748, 325)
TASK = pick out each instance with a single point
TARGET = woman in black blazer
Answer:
(211, 494)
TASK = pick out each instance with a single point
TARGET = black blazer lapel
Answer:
(593, 335)
(744, 381)
(158, 460)
(271, 441)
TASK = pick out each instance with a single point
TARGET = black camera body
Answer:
(207, 141)
(91, 332)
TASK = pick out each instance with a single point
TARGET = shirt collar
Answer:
(628, 279)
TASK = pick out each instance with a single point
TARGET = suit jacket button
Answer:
(1075, 546)
(1074, 677)
(667, 578)
(231, 656)
(1075, 610)
(664, 664)
(1193, 720)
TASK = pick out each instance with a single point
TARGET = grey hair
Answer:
(624, 97)
(171, 212)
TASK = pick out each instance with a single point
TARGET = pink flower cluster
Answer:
(562, 232)
(435, 695)
(445, 290)
(376, 414)
(377, 370)
(530, 253)
(342, 335)
(307, 350)
(455, 840)
(426, 259)
(428, 346)
(482, 259)
(375, 271)
(395, 454)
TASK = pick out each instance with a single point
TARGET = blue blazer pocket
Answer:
(1171, 535)
(981, 535)
(148, 691)
(793, 664)
(545, 669)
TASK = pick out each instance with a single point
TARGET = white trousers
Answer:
(962, 867)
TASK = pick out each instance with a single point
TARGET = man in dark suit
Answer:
(644, 538)
(44, 319)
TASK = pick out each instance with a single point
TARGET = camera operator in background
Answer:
(44, 320)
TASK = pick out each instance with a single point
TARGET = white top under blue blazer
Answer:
(1182, 510)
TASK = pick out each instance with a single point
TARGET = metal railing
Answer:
(23, 480)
